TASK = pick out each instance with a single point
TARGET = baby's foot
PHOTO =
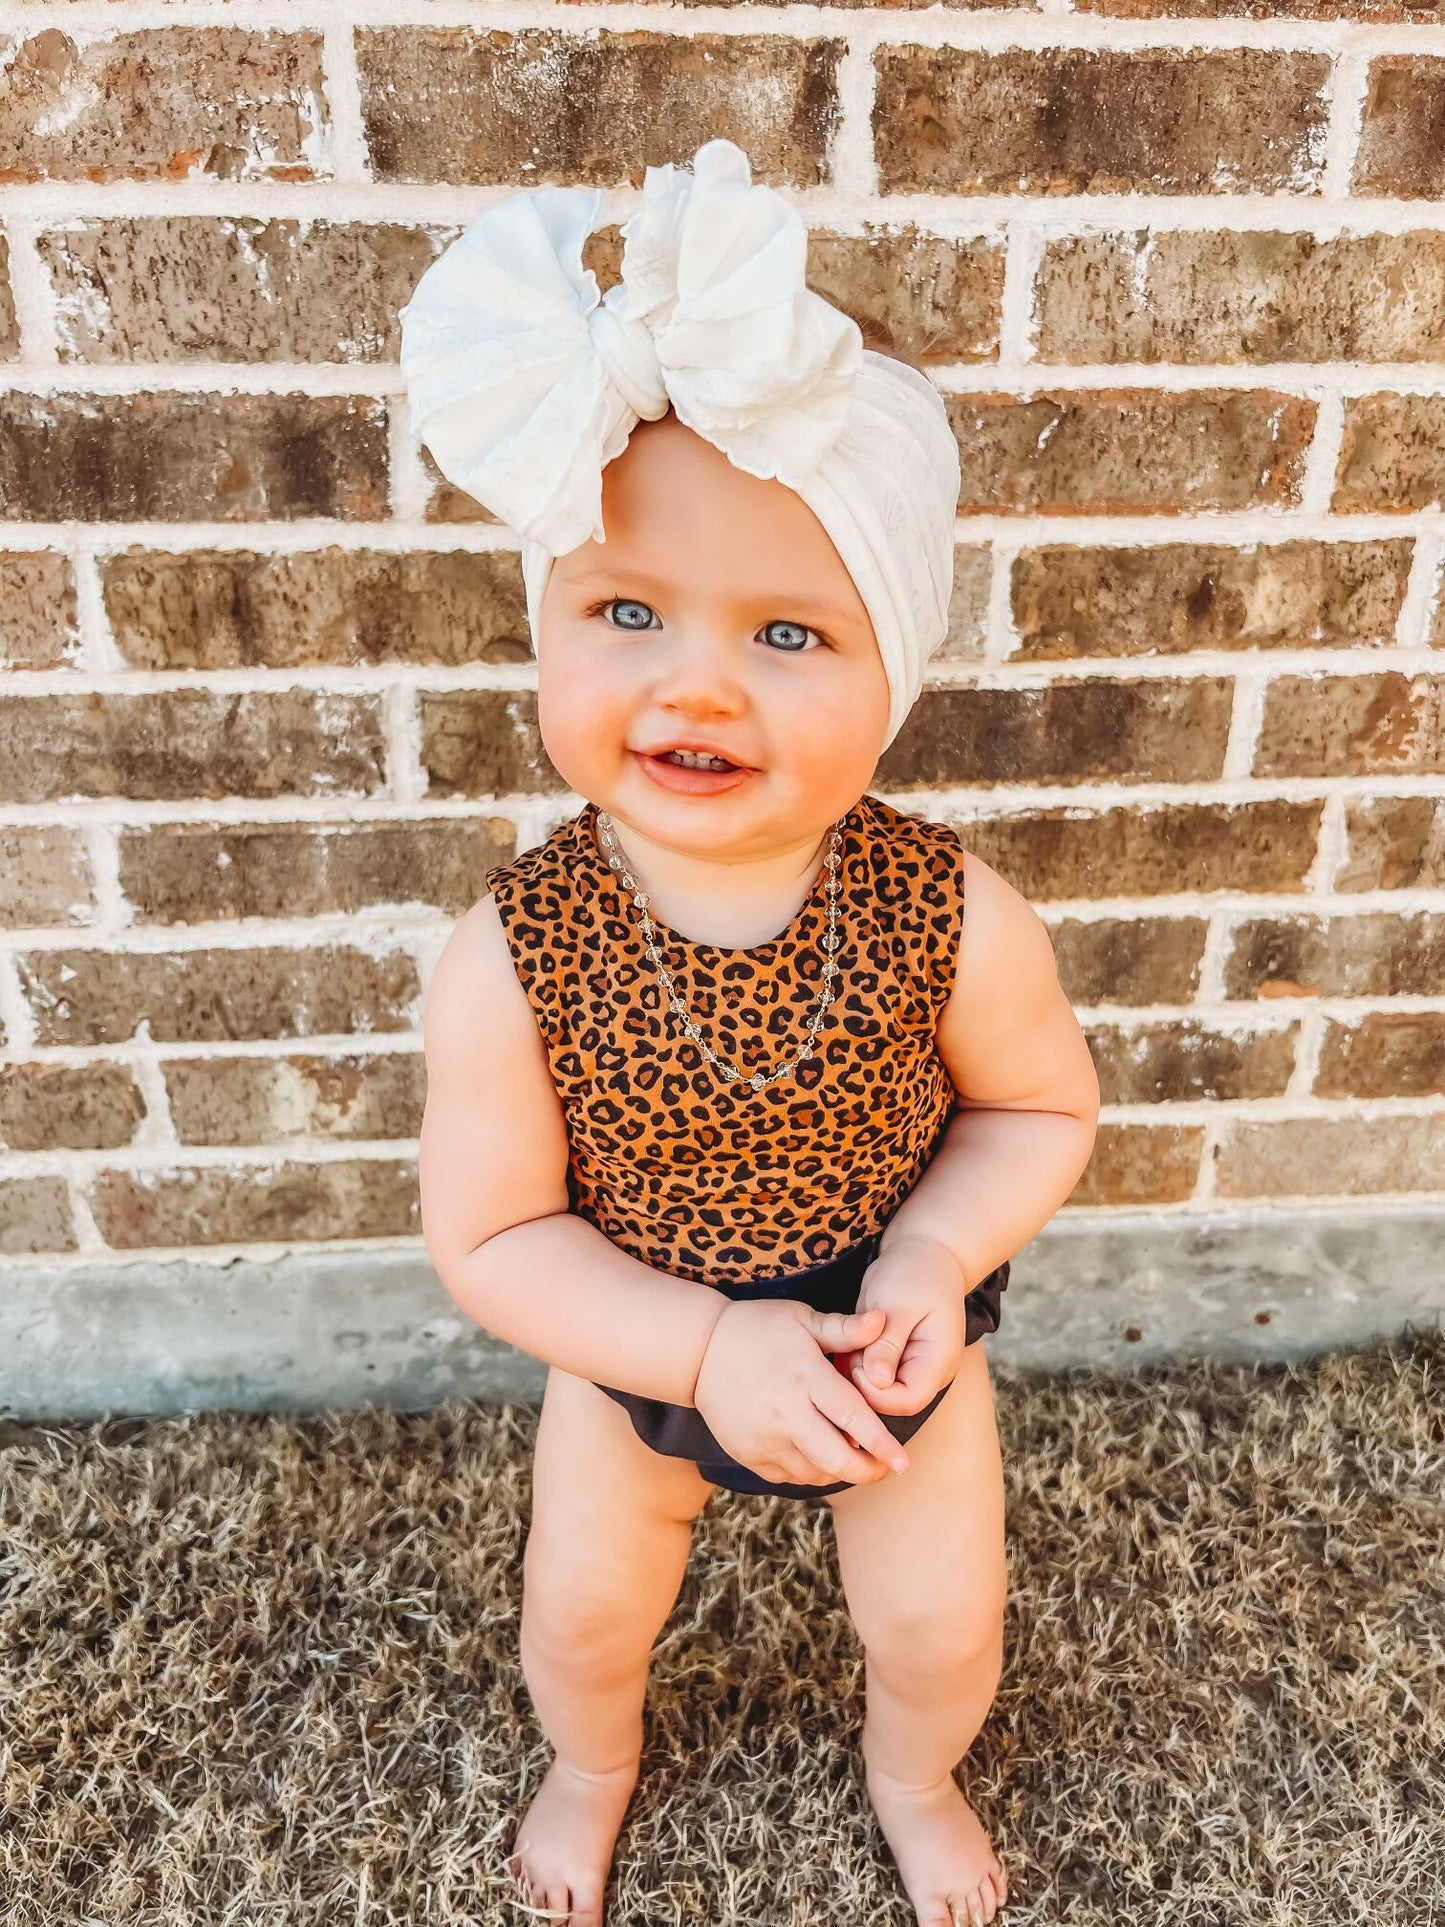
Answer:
(563, 1849)
(949, 1870)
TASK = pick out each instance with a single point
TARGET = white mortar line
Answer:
(1332, 850)
(1357, 660)
(1427, 571)
(437, 205)
(345, 132)
(31, 292)
(86, 21)
(1325, 382)
(99, 656)
(851, 161)
(1349, 88)
(1322, 456)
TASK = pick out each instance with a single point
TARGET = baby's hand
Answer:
(773, 1402)
(921, 1288)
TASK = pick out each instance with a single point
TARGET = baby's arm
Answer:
(495, 1209)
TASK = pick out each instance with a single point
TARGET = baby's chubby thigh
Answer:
(610, 1530)
(921, 1553)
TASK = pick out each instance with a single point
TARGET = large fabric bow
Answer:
(524, 381)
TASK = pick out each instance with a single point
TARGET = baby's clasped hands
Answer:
(921, 1289)
(773, 1399)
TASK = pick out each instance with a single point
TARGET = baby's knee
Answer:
(591, 1615)
(935, 1645)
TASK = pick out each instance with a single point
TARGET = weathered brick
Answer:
(1135, 1164)
(1401, 151)
(1185, 1059)
(484, 742)
(1135, 296)
(1182, 596)
(1344, 10)
(1376, 954)
(968, 605)
(267, 1100)
(191, 742)
(216, 996)
(930, 297)
(68, 1107)
(35, 1216)
(1387, 1054)
(163, 105)
(1352, 725)
(163, 1209)
(1129, 451)
(204, 288)
(1076, 120)
(1129, 960)
(1142, 852)
(45, 876)
(194, 872)
(1067, 732)
(1392, 453)
(1328, 1156)
(9, 327)
(38, 627)
(1394, 843)
(447, 504)
(186, 458)
(235, 609)
(450, 104)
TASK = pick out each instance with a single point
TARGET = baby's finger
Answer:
(920, 1375)
(850, 1411)
(843, 1331)
(823, 1445)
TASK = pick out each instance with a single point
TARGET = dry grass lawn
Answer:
(258, 1670)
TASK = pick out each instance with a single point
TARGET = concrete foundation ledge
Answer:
(338, 1329)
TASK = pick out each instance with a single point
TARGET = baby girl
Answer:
(733, 1117)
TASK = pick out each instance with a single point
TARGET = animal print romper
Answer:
(782, 1192)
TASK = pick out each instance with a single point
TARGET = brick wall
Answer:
(267, 713)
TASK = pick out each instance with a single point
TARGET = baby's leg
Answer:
(922, 1559)
(609, 1539)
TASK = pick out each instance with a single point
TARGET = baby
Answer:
(733, 1117)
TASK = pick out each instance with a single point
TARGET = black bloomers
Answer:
(679, 1432)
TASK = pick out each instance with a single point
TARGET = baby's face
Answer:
(716, 613)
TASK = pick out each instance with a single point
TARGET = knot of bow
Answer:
(524, 381)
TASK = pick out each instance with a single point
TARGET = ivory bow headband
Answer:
(524, 382)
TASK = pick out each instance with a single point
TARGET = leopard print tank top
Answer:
(700, 1176)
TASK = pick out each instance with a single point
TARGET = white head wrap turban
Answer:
(524, 382)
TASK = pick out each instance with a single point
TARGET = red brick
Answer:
(166, 1209)
(1390, 724)
(1076, 120)
(45, 876)
(196, 872)
(1377, 954)
(1135, 296)
(38, 628)
(267, 1100)
(191, 743)
(484, 742)
(1135, 1164)
(1392, 453)
(162, 105)
(236, 609)
(187, 458)
(208, 288)
(1175, 597)
(1130, 451)
(1402, 131)
(538, 106)
(1395, 843)
(68, 1107)
(1331, 1156)
(1186, 1060)
(1069, 732)
(216, 996)
(1390, 1053)
(35, 1216)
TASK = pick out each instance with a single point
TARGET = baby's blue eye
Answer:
(794, 629)
(626, 622)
